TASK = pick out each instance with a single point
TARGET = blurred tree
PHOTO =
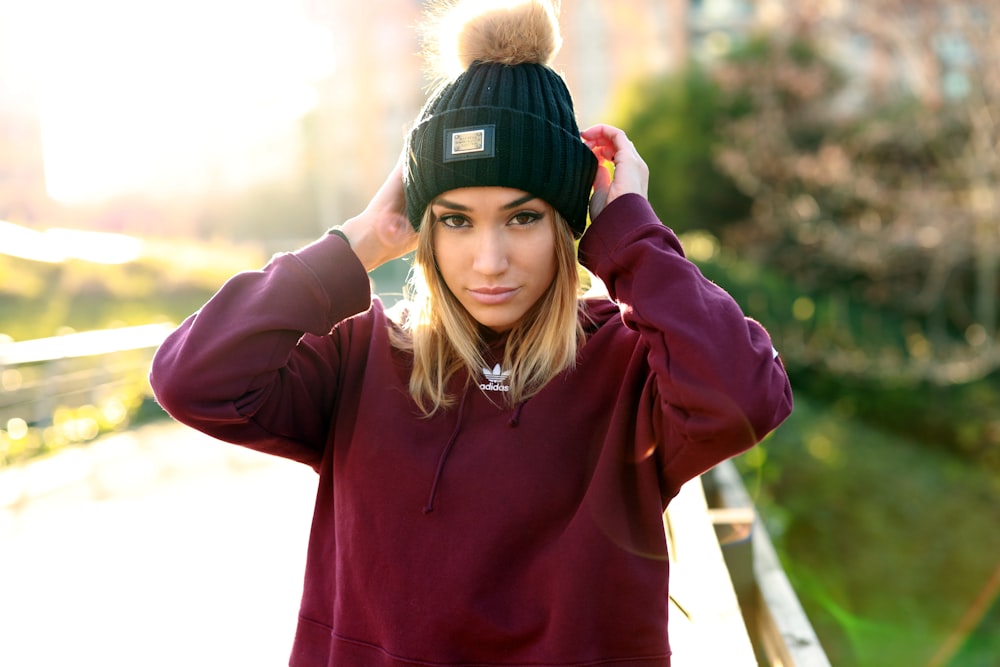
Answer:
(673, 119)
(869, 244)
(887, 200)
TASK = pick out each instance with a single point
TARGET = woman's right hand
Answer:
(382, 232)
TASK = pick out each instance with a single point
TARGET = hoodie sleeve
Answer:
(255, 365)
(717, 386)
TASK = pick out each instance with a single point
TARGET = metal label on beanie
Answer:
(469, 143)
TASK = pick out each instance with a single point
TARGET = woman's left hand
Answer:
(627, 173)
(382, 232)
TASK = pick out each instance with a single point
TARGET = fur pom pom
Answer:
(510, 32)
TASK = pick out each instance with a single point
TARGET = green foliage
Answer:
(827, 348)
(854, 242)
(888, 543)
(37, 300)
(672, 120)
(169, 282)
(880, 200)
(74, 421)
(961, 417)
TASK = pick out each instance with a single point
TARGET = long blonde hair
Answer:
(444, 338)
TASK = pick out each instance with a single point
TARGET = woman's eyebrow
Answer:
(452, 205)
(520, 200)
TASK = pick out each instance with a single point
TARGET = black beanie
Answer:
(497, 124)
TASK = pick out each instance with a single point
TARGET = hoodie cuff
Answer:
(340, 273)
(614, 227)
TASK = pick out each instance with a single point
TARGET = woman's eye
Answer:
(526, 218)
(453, 221)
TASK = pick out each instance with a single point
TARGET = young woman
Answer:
(495, 457)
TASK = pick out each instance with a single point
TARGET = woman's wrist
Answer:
(377, 236)
(361, 240)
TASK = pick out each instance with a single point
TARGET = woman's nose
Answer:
(490, 254)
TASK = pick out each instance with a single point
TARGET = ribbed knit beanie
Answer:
(506, 120)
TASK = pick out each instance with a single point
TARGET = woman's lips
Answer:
(492, 296)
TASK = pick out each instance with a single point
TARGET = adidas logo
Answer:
(496, 380)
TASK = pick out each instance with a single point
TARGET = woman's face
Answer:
(495, 249)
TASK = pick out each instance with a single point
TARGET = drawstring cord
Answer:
(444, 455)
(515, 418)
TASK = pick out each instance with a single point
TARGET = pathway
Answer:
(154, 547)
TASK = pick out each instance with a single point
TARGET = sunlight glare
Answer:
(166, 96)
(58, 245)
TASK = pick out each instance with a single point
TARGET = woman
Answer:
(493, 459)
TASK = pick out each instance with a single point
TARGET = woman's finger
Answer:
(631, 175)
(602, 185)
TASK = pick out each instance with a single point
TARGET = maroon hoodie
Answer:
(484, 535)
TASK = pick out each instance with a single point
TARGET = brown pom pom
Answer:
(510, 32)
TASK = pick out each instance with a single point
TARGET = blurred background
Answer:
(834, 164)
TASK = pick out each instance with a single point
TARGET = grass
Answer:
(890, 543)
(168, 282)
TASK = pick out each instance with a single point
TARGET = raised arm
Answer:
(258, 365)
(719, 385)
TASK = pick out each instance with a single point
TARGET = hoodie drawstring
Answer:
(444, 454)
(515, 418)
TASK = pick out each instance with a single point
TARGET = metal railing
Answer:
(78, 383)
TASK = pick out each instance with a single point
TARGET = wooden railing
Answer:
(778, 627)
(705, 622)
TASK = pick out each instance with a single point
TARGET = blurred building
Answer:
(922, 49)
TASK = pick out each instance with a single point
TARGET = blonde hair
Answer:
(444, 338)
